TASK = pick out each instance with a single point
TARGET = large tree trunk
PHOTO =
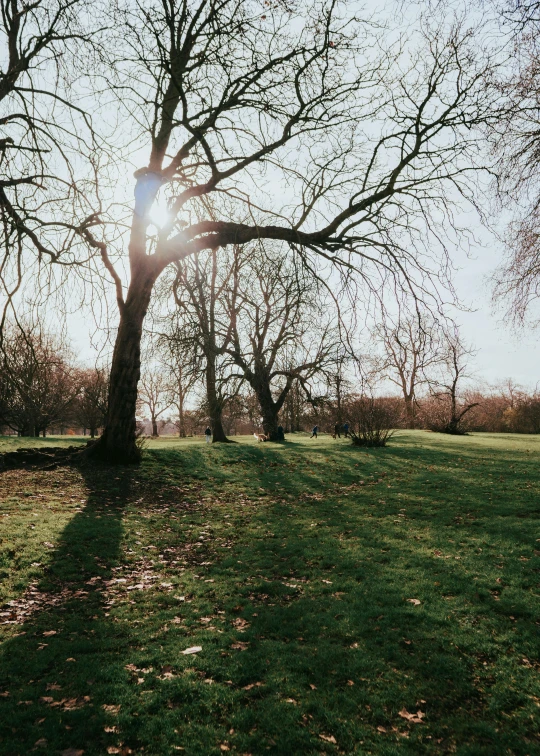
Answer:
(269, 412)
(118, 444)
(409, 411)
(215, 406)
(155, 433)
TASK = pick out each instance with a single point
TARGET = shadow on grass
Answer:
(56, 688)
(314, 590)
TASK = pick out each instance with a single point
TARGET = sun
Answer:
(159, 214)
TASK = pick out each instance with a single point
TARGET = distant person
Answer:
(337, 430)
(346, 430)
(208, 434)
(314, 432)
(280, 433)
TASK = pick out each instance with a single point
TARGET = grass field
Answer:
(344, 600)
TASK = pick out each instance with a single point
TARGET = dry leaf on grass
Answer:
(240, 646)
(381, 729)
(415, 602)
(48, 633)
(111, 708)
(40, 742)
(416, 718)
(252, 685)
(328, 738)
(192, 650)
(73, 752)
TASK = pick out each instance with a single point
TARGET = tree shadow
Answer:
(48, 669)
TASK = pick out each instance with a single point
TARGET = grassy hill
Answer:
(344, 600)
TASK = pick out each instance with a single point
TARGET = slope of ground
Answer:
(343, 600)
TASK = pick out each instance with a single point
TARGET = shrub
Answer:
(372, 420)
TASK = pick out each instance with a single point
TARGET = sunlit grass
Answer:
(292, 566)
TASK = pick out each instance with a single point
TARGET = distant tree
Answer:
(410, 348)
(155, 395)
(281, 329)
(38, 384)
(201, 328)
(449, 406)
(90, 406)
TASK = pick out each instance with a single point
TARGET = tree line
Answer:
(44, 390)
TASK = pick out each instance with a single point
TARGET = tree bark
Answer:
(155, 433)
(215, 405)
(409, 411)
(269, 412)
(117, 444)
(182, 429)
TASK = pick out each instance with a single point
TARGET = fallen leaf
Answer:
(48, 633)
(313, 687)
(416, 718)
(224, 747)
(114, 728)
(192, 650)
(240, 646)
(381, 729)
(5, 694)
(113, 749)
(53, 686)
(328, 738)
(415, 602)
(291, 700)
(40, 742)
(71, 659)
(253, 685)
(131, 667)
(112, 708)
(47, 699)
(73, 752)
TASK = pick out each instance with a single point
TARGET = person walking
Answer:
(314, 432)
(208, 434)
(346, 430)
(337, 429)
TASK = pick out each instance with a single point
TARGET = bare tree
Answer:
(201, 328)
(155, 395)
(91, 403)
(361, 146)
(47, 193)
(517, 140)
(38, 384)
(450, 406)
(410, 348)
(281, 328)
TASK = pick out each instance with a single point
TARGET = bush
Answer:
(372, 420)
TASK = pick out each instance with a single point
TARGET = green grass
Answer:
(292, 567)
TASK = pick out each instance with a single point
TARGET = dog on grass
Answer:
(260, 437)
